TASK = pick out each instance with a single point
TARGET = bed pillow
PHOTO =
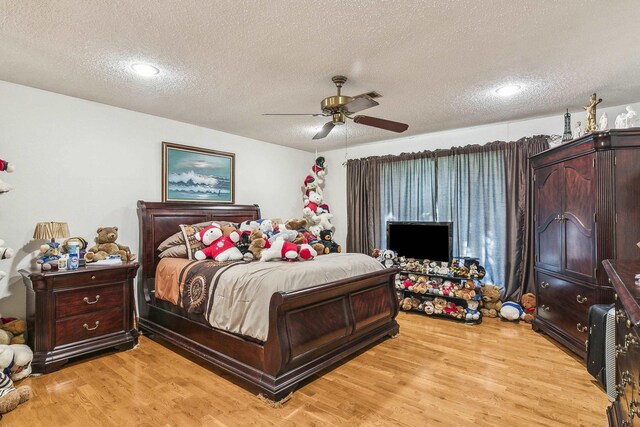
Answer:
(179, 251)
(177, 239)
(192, 245)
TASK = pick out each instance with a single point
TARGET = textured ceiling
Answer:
(223, 63)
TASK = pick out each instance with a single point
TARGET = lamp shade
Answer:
(51, 230)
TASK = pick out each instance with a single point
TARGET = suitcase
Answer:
(596, 344)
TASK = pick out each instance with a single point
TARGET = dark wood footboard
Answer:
(309, 330)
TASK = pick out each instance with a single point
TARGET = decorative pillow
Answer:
(192, 245)
(177, 239)
(175, 252)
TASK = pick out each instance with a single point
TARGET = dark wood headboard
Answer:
(159, 220)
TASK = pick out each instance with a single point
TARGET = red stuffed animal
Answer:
(219, 247)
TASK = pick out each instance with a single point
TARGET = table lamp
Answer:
(51, 230)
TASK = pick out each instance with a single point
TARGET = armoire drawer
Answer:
(565, 304)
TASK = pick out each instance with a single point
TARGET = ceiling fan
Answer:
(341, 107)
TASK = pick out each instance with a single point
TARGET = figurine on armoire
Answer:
(590, 125)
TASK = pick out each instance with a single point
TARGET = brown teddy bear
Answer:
(12, 331)
(490, 300)
(529, 303)
(258, 243)
(106, 245)
(296, 224)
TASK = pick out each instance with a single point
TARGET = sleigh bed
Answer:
(309, 329)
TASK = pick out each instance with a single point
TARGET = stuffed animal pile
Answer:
(315, 212)
(5, 166)
(266, 240)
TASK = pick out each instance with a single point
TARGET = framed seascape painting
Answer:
(193, 174)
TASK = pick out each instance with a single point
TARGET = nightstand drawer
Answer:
(90, 277)
(88, 326)
(88, 300)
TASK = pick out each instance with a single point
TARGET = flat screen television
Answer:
(421, 240)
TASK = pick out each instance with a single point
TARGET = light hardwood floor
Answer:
(435, 373)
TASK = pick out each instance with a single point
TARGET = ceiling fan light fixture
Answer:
(508, 90)
(145, 70)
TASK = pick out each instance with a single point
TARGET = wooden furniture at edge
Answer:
(625, 410)
(587, 209)
(309, 329)
(78, 312)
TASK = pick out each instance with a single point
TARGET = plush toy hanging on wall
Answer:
(316, 212)
(5, 166)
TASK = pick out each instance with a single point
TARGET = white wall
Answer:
(335, 191)
(88, 164)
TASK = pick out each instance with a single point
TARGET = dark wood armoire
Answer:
(586, 209)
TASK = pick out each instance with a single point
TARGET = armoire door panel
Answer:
(578, 216)
(627, 182)
(579, 250)
(549, 247)
(548, 193)
(548, 209)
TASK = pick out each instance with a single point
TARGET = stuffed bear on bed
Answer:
(219, 247)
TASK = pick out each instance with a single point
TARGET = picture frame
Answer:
(195, 174)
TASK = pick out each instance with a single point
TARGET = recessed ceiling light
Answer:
(145, 70)
(508, 90)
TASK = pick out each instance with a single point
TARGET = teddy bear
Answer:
(106, 245)
(438, 305)
(49, 256)
(319, 169)
(324, 221)
(15, 361)
(490, 300)
(405, 304)
(529, 303)
(447, 288)
(428, 307)
(326, 236)
(285, 234)
(258, 243)
(312, 205)
(511, 311)
(282, 250)
(5, 166)
(472, 312)
(12, 330)
(243, 244)
(10, 396)
(296, 224)
(218, 247)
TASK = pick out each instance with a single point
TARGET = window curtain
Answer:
(470, 189)
(485, 190)
(407, 192)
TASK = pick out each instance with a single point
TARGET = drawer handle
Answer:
(93, 277)
(86, 299)
(545, 285)
(581, 328)
(581, 299)
(91, 329)
(620, 314)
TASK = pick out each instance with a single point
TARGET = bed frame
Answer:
(309, 329)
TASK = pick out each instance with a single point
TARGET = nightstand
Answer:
(77, 312)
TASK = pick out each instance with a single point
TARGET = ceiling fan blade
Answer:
(293, 114)
(381, 123)
(359, 104)
(324, 131)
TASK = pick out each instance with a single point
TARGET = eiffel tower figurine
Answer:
(567, 127)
